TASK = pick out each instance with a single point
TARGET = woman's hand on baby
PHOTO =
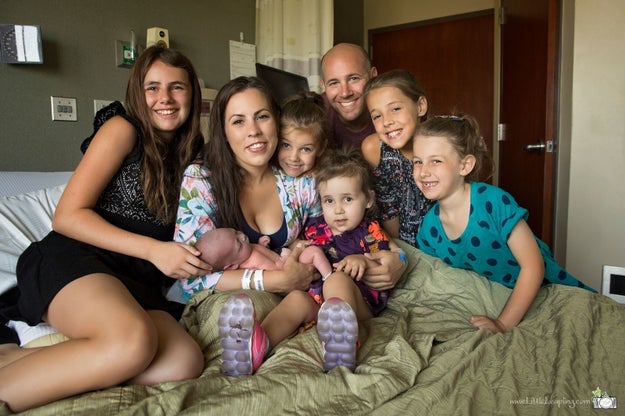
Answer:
(178, 260)
(354, 265)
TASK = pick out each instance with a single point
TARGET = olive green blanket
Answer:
(420, 356)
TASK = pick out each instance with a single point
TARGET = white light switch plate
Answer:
(63, 109)
(99, 105)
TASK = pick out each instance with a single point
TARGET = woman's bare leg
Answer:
(112, 339)
(13, 352)
(178, 357)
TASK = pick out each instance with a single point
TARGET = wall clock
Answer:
(20, 44)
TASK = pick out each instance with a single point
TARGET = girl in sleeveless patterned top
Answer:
(397, 105)
(99, 277)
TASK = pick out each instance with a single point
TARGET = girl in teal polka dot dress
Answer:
(477, 226)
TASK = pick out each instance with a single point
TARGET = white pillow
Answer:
(23, 219)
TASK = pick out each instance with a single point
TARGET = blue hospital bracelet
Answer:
(402, 255)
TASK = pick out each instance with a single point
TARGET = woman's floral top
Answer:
(196, 212)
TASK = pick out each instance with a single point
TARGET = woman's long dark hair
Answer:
(226, 175)
(163, 163)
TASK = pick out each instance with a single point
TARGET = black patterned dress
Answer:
(397, 194)
(47, 266)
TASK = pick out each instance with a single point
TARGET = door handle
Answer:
(535, 146)
(539, 146)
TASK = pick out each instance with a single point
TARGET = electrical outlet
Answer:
(63, 109)
(100, 104)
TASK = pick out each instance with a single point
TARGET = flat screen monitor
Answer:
(283, 84)
(613, 283)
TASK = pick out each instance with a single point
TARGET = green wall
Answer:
(78, 39)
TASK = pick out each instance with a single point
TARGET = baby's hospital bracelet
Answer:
(258, 280)
(246, 279)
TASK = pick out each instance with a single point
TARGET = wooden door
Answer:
(452, 58)
(529, 61)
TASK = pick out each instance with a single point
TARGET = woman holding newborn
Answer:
(235, 173)
(236, 186)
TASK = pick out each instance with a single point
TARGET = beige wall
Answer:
(596, 222)
(590, 211)
(396, 12)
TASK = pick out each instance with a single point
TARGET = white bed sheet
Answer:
(27, 203)
(16, 183)
(23, 219)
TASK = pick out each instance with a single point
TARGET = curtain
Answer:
(293, 35)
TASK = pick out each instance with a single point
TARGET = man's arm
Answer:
(384, 269)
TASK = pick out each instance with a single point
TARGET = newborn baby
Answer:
(227, 248)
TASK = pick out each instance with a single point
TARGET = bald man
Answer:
(345, 69)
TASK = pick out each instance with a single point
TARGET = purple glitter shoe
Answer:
(337, 327)
(244, 341)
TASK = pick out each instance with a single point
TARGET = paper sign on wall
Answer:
(242, 59)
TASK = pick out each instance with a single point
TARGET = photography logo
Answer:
(602, 400)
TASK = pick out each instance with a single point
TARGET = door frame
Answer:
(564, 122)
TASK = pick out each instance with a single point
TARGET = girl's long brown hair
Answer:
(401, 79)
(163, 163)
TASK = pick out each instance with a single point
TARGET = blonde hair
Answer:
(463, 132)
